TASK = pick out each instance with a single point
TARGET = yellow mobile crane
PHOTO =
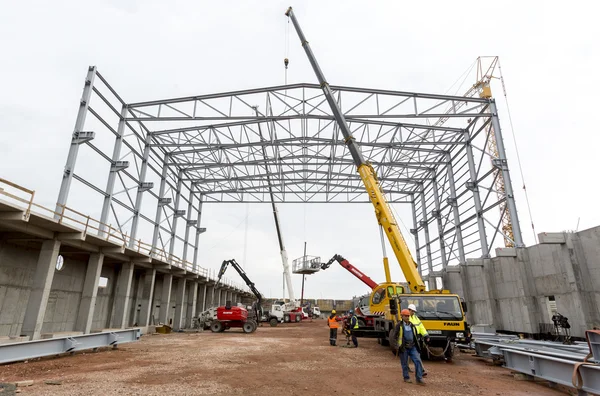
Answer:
(441, 312)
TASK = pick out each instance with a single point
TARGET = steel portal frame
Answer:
(429, 151)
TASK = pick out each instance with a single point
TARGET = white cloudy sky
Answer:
(157, 49)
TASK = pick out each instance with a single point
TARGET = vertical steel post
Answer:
(175, 215)
(476, 198)
(425, 224)
(438, 216)
(188, 222)
(161, 196)
(140, 190)
(198, 232)
(110, 184)
(75, 142)
(454, 204)
(415, 232)
(508, 190)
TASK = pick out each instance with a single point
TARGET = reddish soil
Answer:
(290, 359)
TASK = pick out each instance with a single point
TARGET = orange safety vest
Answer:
(332, 322)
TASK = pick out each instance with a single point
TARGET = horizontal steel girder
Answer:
(552, 369)
(55, 346)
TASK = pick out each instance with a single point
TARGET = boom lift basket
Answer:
(306, 265)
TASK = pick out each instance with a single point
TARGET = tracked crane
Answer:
(441, 312)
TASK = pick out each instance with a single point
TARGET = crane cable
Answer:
(512, 130)
(286, 60)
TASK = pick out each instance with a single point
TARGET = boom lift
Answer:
(440, 311)
(222, 318)
(366, 321)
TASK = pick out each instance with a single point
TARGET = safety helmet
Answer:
(333, 311)
(350, 311)
(405, 312)
(412, 307)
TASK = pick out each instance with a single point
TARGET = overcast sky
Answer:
(158, 49)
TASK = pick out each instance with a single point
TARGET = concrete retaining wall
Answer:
(512, 292)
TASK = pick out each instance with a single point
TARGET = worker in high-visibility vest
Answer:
(414, 319)
(353, 325)
(332, 322)
(405, 336)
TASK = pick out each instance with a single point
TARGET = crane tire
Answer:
(298, 318)
(273, 322)
(286, 318)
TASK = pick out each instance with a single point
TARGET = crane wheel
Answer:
(286, 318)
(273, 322)
(217, 327)
(248, 327)
(361, 323)
(298, 318)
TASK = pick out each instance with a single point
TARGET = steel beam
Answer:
(552, 369)
(20, 351)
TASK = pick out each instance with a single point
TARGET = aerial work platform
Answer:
(306, 265)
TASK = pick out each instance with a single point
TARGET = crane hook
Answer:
(286, 62)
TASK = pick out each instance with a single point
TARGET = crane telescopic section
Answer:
(368, 176)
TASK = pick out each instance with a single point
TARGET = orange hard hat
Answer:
(405, 312)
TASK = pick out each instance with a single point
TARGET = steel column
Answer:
(161, 195)
(425, 224)
(476, 198)
(508, 189)
(75, 142)
(416, 234)
(455, 214)
(188, 224)
(175, 215)
(438, 216)
(198, 232)
(110, 184)
(140, 191)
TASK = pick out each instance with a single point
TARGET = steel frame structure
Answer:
(165, 158)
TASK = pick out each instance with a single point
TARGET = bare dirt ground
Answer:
(290, 359)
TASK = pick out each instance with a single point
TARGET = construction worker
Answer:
(333, 328)
(414, 319)
(353, 325)
(405, 336)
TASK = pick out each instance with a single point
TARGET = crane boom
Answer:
(242, 273)
(283, 252)
(383, 211)
(352, 269)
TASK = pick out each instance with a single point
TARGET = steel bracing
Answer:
(163, 159)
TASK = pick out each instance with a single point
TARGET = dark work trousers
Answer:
(332, 336)
(354, 340)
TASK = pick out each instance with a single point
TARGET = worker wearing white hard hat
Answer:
(414, 319)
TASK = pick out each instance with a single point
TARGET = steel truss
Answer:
(165, 158)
